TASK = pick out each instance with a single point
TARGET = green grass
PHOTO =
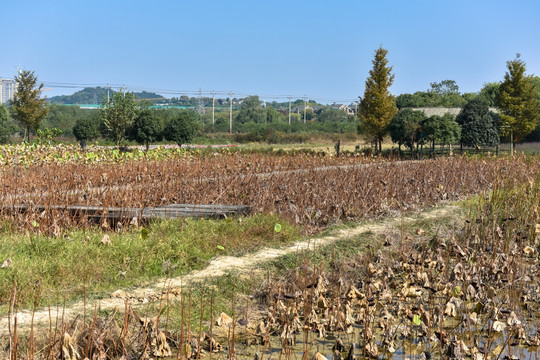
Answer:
(68, 266)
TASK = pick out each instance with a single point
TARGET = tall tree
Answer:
(518, 102)
(377, 107)
(27, 106)
(117, 115)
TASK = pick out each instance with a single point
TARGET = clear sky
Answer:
(321, 49)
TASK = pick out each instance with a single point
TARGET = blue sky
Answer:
(320, 49)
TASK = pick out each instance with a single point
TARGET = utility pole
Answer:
(305, 105)
(230, 112)
(213, 107)
(107, 93)
(289, 110)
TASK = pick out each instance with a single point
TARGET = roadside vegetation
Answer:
(94, 263)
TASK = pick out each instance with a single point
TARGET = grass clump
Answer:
(67, 267)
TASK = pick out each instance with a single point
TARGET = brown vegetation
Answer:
(309, 189)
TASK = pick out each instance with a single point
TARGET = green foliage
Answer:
(85, 130)
(332, 115)
(377, 107)
(183, 128)
(441, 129)
(7, 128)
(443, 94)
(518, 101)
(169, 248)
(64, 117)
(404, 127)
(490, 93)
(251, 102)
(46, 136)
(448, 130)
(478, 124)
(146, 128)
(273, 116)
(117, 115)
(251, 110)
(27, 106)
(445, 87)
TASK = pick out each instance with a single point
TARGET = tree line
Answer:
(516, 98)
(122, 118)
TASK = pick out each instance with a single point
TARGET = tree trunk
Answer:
(380, 145)
(147, 146)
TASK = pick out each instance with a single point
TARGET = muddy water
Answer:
(407, 348)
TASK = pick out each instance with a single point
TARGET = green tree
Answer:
(117, 115)
(448, 130)
(85, 130)
(430, 130)
(146, 128)
(478, 124)
(445, 87)
(7, 128)
(182, 129)
(332, 115)
(442, 129)
(377, 107)
(490, 93)
(27, 106)
(272, 115)
(518, 102)
(535, 135)
(404, 127)
(251, 111)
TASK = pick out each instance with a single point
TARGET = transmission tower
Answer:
(200, 107)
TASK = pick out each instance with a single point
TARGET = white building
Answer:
(7, 90)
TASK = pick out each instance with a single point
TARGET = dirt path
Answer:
(218, 267)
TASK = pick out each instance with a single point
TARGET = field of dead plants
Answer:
(309, 189)
(440, 290)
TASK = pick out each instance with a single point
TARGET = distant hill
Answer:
(95, 96)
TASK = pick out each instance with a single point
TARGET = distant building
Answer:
(7, 90)
(441, 111)
(347, 109)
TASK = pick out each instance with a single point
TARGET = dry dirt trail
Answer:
(220, 266)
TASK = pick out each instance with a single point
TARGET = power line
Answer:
(199, 93)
